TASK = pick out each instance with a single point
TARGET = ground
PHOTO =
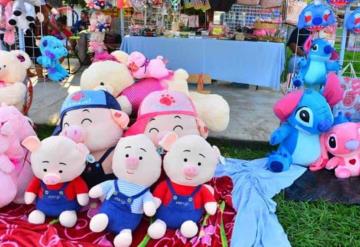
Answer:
(317, 224)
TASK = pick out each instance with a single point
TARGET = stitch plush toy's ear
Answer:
(121, 118)
(31, 143)
(23, 57)
(286, 105)
(333, 92)
(308, 44)
(168, 140)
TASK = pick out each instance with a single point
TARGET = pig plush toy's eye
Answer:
(140, 158)
(45, 170)
(126, 156)
(178, 127)
(153, 129)
(60, 171)
(199, 163)
(66, 124)
(86, 120)
(185, 160)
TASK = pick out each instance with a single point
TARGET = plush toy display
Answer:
(14, 65)
(212, 108)
(167, 111)
(316, 16)
(57, 188)
(343, 143)
(15, 171)
(304, 115)
(99, 24)
(52, 50)
(353, 21)
(314, 68)
(137, 166)
(189, 163)
(94, 118)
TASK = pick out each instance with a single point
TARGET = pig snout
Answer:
(132, 163)
(190, 170)
(75, 133)
(51, 179)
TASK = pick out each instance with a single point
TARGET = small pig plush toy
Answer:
(137, 166)
(189, 163)
(57, 188)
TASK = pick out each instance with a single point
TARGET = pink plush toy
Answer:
(343, 142)
(6, 8)
(15, 171)
(141, 67)
(162, 112)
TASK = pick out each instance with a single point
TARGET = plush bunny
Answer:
(57, 188)
(189, 163)
(94, 117)
(137, 166)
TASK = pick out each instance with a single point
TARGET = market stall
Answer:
(232, 61)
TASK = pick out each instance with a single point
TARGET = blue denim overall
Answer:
(180, 209)
(118, 210)
(54, 202)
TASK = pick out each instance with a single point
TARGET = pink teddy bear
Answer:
(343, 142)
(141, 67)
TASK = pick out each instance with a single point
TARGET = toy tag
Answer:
(90, 158)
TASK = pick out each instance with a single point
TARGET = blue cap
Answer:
(87, 99)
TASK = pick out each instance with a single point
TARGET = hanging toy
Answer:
(23, 14)
(175, 4)
(97, 4)
(52, 50)
(353, 21)
(316, 16)
(8, 30)
(138, 5)
(339, 3)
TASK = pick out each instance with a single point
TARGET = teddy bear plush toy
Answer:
(137, 166)
(13, 67)
(15, 171)
(52, 50)
(57, 188)
(93, 117)
(189, 163)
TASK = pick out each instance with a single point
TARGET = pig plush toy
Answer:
(94, 117)
(57, 188)
(167, 111)
(189, 164)
(137, 166)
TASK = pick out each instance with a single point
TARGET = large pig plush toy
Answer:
(94, 117)
(15, 170)
(137, 166)
(189, 163)
(57, 188)
(167, 111)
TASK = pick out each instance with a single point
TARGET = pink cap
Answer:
(161, 103)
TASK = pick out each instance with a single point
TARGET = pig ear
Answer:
(217, 151)
(31, 143)
(121, 118)
(204, 131)
(83, 149)
(308, 44)
(168, 140)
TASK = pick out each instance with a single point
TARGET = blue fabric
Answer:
(54, 202)
(256, 223)
(179, 209)
(128, 189)
(256, 63)
(118, 210)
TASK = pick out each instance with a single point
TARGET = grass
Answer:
(307, 224)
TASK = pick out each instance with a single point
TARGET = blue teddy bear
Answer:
(353, 21)
(314, 69)
(304, 115)
(52, 50)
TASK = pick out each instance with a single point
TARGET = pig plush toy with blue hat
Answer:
(93, 117)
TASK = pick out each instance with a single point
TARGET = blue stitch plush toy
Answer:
(304, 115)
(52, 50)
(353, 21)
(314, 69)
(316, 16)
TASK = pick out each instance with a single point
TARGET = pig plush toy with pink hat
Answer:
(137, 166)
(94, 117)
(167, 111)
(57, 188)
(189, 163)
